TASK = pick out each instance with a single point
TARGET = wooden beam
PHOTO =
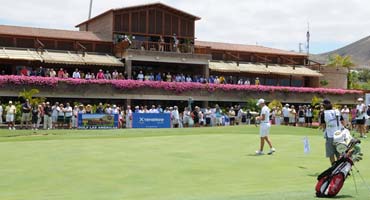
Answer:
(291, 61)
(264, 58)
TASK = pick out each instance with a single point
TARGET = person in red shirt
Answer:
(100, 75)
(24, 71)
(61, 73)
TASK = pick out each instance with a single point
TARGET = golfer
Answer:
(265, 126)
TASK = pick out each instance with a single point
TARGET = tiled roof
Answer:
(51, 33)
(139, 6)
(245, 48)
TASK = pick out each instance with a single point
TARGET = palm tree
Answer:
(340, 61)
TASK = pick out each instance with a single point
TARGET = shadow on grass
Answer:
(338, 197)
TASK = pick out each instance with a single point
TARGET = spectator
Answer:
(1, 113)
(286, 111)
(129, 117)
(140, 76)
(41, 72)
(76, 74)
(168, 77)
(195, 116)
(10, 115)
(186, 117)
(35, 116)
(309, 116)
(345, 113)
(88, 76)
(120, 76)
(248, 117)
(61, 115)
(93, 76)
(158, 77)
(257, 81)
(26, 114)
(75, 116)
(108, 110)
(161, 43)
(231, 115)
(24, 71)
(175, 117)
(247, 82)
(107, 75)
(115, 75)
(48, 117)
(88, 109)
(66, 74)
(100, 109)
(54, 114)
(61, 73)
(100, 75)
(292, 116)
(68, 113)
(52, 73)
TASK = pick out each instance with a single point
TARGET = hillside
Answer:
(359, 51)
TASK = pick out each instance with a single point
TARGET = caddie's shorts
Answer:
(330, 148)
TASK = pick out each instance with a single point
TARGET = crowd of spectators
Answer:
(65, 115)
(139, 75)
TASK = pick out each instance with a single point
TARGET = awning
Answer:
(257, 68)
(223, 67)
(254, 68)
(98, 59)
(58, 57)
(68, 57)
(19, 54)
(291, 70)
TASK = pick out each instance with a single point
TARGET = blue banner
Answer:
(97, 121)
(151, 120)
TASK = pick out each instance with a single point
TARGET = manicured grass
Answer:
(183, 164)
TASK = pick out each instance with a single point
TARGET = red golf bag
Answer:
(331, 181)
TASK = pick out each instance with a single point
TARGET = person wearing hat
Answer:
(345, 112)
(128, 115)
(10, 115)
(330, 123)
(360, 117)
(265, 126)
(26, 114)
(175, 117)
(286, 111)
(48, 113)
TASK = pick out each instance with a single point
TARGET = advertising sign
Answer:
(97, 121)
(151, 120)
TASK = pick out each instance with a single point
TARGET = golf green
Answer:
(173, 164)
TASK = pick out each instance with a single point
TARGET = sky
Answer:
(273, 23)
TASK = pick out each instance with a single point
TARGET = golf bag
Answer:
(331, 181)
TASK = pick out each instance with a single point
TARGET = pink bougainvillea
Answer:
(168, 86)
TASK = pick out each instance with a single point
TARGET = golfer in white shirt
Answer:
(265, 126)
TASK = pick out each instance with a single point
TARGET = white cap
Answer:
(10, 102)
(360, 99)
(260, 102)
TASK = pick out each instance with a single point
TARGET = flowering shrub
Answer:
(168, 86)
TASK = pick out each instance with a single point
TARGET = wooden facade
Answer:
(55, 44)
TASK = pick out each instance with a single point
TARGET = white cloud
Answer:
(274, 23)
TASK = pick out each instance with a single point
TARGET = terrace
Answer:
(150, 90)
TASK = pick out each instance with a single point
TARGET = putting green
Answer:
(182, 164)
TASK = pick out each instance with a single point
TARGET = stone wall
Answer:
(336, 77)
(103, 26)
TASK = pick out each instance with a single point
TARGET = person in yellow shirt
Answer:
(10, 115)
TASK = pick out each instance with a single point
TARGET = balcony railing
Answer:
(162, 46)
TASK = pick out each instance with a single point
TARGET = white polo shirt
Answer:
(265, 111)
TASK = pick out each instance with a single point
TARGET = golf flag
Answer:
(306, 145)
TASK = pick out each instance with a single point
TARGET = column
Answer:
(128, 68)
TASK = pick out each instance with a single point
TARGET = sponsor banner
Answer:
(151, 120)
(97, 121)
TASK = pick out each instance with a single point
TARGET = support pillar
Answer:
(128, 68)
(206, 72)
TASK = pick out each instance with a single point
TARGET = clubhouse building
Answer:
(159, 40)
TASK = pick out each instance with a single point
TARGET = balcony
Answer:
(160, 52)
